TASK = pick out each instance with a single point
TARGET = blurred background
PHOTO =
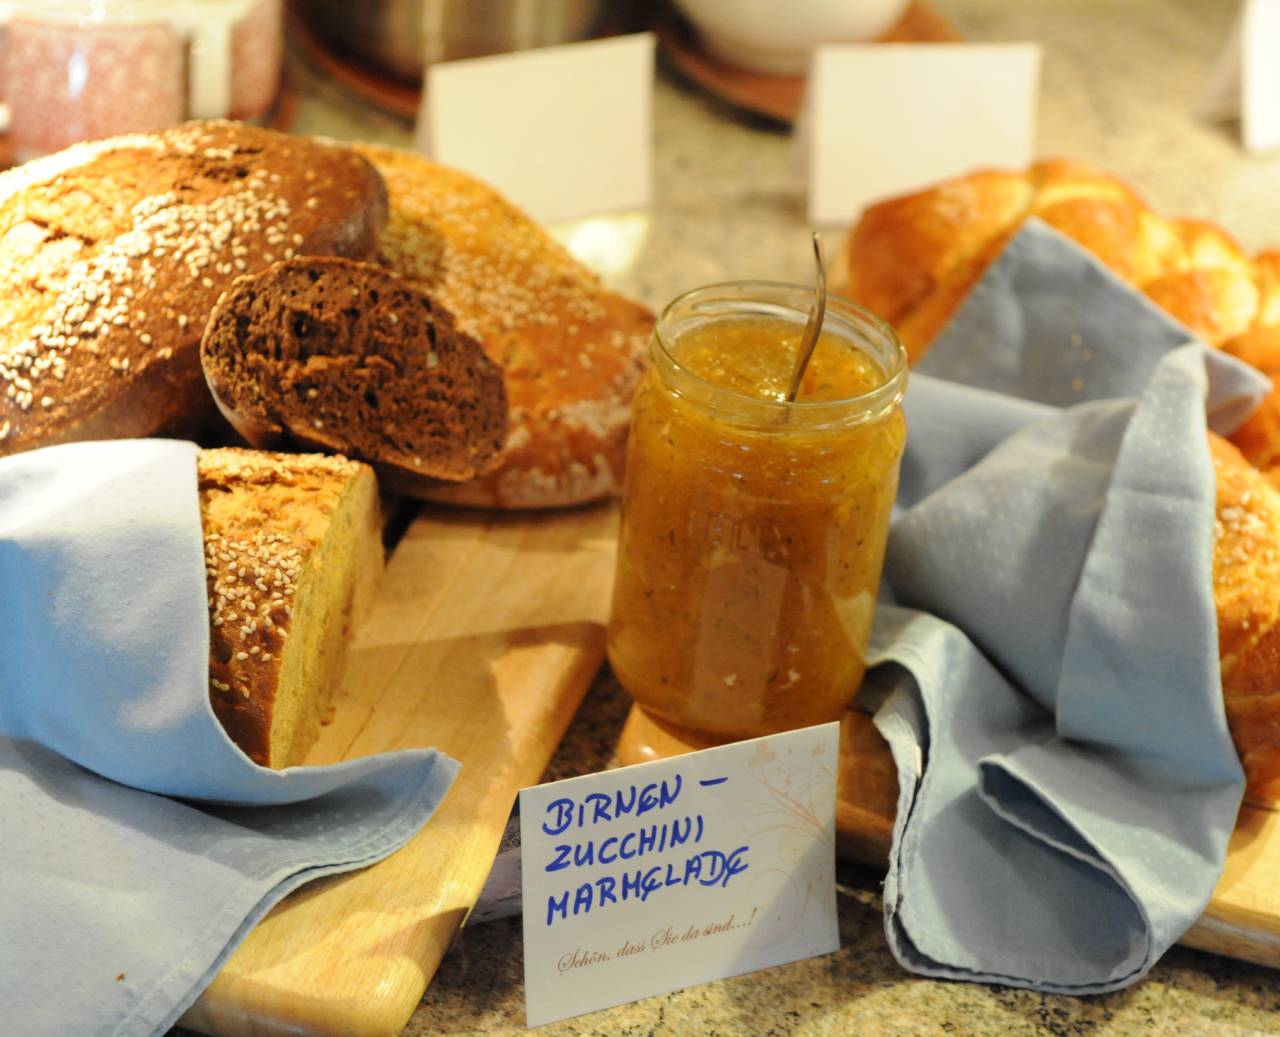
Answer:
(1120, 84)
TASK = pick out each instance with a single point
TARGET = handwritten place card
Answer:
(562, 131)
(883, 119)
(1246, 81)
(665, 875)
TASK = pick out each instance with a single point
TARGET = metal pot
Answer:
(402, 37)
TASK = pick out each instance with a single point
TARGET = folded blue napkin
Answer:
(139, 844)
(1068, 785)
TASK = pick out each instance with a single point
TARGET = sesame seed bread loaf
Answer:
(112, 254)
(332, 354)
(1246, 575)
(571, 352)
(913, 259)
(293, 556)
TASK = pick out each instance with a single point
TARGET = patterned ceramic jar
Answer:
(84, 69)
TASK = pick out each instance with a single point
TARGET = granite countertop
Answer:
(860, 990)
(1119, 82)
(1118, 87)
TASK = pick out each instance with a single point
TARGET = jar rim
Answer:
(765, 296)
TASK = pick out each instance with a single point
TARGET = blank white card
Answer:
(562, 131)
(885, 119)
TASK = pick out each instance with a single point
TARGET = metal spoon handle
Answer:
(813, 326)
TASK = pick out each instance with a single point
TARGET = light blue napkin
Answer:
(1068, 785)
(119, 905)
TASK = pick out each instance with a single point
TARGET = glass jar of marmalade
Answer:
(753, 528)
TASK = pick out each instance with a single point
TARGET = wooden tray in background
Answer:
(486, 635)
(391, 93)
(397, 96)
(776, 97)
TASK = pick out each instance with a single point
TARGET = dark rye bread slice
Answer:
(113, 253)
(571, 351)
(348, 357)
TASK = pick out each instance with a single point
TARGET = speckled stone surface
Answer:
(1119, 87)
(860, 990)
(1119, 84)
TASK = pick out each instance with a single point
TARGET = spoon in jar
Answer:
(813, 326)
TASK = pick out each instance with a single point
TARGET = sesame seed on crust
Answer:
(264, 516)
(572, 352)
(102, 245)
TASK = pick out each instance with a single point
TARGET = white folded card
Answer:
(883, 119)
(1246, 81)
(664, 875)
(562, 131)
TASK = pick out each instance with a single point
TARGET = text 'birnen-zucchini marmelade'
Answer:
(753, 529)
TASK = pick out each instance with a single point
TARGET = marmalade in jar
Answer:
(753, 529)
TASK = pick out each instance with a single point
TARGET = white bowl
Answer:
(778, 36)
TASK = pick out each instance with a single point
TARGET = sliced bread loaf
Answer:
(112, 254)
(344, 356)
(572, 353)
(293, 556)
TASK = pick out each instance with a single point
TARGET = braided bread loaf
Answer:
(913, 259)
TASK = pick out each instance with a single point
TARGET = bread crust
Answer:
(572, 353)
(903, 249)
(113, 253)
(1246, 573)
(913, 260)
(264, 518)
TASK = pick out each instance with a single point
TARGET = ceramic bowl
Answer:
(776, 37)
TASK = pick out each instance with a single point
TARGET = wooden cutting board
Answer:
(487, 633)
(1241, 921)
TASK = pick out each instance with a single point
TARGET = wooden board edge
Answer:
(245, 1002)
(1232, 925)
(1218, 936)
(776, 97)
(220, 1009)
(232, 1014)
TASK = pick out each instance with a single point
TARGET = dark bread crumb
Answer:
(346, 356)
